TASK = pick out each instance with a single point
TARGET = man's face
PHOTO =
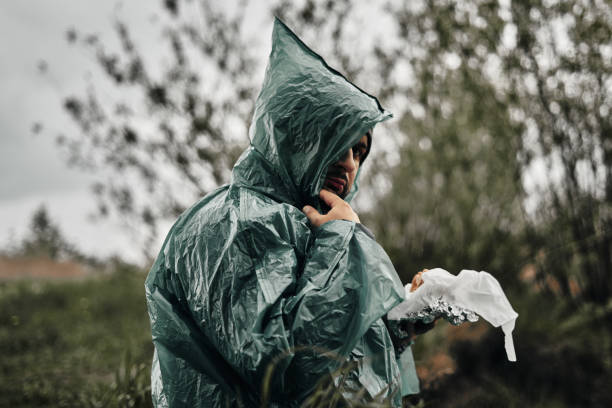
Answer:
(341, 174)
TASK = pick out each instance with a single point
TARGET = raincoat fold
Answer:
(247, 301)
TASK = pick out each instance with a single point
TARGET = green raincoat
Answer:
(245, 294)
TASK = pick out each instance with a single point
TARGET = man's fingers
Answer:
(330, 198)
(417, 280)
(340, 210)
(308, 210)
(313, 215)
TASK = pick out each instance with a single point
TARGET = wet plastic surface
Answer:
(243, 282)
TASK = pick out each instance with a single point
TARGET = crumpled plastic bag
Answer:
(478, 292)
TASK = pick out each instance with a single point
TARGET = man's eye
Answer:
(357, 152)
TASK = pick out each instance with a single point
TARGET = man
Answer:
(339, 181)
(270, 284)
(341, 175)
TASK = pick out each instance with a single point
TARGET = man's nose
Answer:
(347, 162)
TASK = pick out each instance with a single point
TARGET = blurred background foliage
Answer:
(500, 159)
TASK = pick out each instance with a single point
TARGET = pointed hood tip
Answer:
(282, 26)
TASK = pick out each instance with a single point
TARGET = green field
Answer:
(83, 343)
(86, 343)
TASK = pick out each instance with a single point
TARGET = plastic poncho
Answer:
(246, 295)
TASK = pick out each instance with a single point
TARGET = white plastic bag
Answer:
(479, 292)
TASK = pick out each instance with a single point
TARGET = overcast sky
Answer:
(32, 171)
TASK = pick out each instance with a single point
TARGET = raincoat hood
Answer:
(307, 114)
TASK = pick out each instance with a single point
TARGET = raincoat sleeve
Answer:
(317, 292)
(250, 298)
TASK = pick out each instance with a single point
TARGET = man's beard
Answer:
(340, 189)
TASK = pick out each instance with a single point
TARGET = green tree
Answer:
(44, 238)
(537, 77)
(164, 138)
(455, 196)
(501, 155)
(540, 70)
(561, 76)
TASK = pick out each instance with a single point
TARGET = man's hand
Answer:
(340, 210)
(419, 327)
(417, 280)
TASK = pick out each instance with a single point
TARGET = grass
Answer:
(86, 343)
(83, 343)
(75, 343)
